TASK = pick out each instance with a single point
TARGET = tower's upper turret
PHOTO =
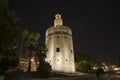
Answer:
(58, 21)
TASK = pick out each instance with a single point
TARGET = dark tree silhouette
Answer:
(31, 44)
(9, 59)
(8, 38)
(84, 62)
(44, 68)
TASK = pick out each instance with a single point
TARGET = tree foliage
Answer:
(8, 27)
(44, 68)
(23, 32)
(8, 37)
(31, 44)
(8, 61)
(39, 49)
(84, 62)
(34, 45)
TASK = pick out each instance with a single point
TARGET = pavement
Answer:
(88, 77)
(64, 76)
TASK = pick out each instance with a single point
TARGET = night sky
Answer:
(95, 24)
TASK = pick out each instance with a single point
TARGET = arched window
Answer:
(71, 51)
(57, 49)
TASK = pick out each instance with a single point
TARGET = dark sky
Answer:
(95, 24)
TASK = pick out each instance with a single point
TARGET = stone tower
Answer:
(60, 47)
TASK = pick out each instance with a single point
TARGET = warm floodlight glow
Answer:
(32, 60)
(60, 47)
(116, 69)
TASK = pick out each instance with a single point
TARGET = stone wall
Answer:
(60, 49)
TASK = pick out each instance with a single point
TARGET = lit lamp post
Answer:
(32, 60)
(33, 65)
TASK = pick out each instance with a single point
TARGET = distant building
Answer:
(24, 64)
(60, 47)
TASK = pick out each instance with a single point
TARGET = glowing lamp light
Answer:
(32, 60)
(116, 69)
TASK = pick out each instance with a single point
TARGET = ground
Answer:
(80, 77)
(61, 77)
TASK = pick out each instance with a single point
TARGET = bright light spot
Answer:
(116, 69)
(32, 60)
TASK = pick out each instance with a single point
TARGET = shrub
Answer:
(44, 69)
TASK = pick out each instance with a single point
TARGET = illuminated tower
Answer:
(60, 47)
